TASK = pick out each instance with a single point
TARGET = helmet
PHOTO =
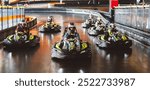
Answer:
(90, 16)
(49, 17)
(23, 20)
(99, 19)
(71, 25)
(87, 21)
(112, 25)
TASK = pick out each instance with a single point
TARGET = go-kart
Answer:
(113, 42)
(69, 49)
(87, 24)
(95, 31)
(20, 40)
(50, 27)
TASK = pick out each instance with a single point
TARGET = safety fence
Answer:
(137, 17)
(10, 16)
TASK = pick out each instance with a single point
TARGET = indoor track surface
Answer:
(38, 59)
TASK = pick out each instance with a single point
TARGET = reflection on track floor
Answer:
(39, 59)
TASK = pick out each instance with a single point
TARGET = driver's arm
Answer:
(16, 29)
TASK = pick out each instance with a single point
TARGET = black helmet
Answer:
(23, 20)
(71, 25)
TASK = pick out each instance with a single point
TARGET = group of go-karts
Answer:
(107, 36)
(22, 38)
(70, 45)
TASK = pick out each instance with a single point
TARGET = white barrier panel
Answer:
(4, 14)
(17, 14)
(14, 17)
(10, 14)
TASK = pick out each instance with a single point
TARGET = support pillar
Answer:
(112, 5)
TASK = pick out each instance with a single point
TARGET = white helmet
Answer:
(71, 25)
(112, 25)
(90, 16)
(99, 19)
(87, 21)
(50, 17)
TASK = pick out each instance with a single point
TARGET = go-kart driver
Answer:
(72, 33)
(100, 27)
(118, 36)
(22, 27)
(50, 22)
(112, 29)
(22, 31)
(91, 20)
(50, 19)
(99, 22)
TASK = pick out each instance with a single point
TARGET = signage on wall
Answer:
(113, 3)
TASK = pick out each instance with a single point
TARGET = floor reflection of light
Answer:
(48, 41)
(26, 57)
(108, 57)
(103, 53)
(84, 31)
(81, 71)
(10, 66)
(126, 56)
(60, 70)
(52, 36)
(10, 55)
(42, 36)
